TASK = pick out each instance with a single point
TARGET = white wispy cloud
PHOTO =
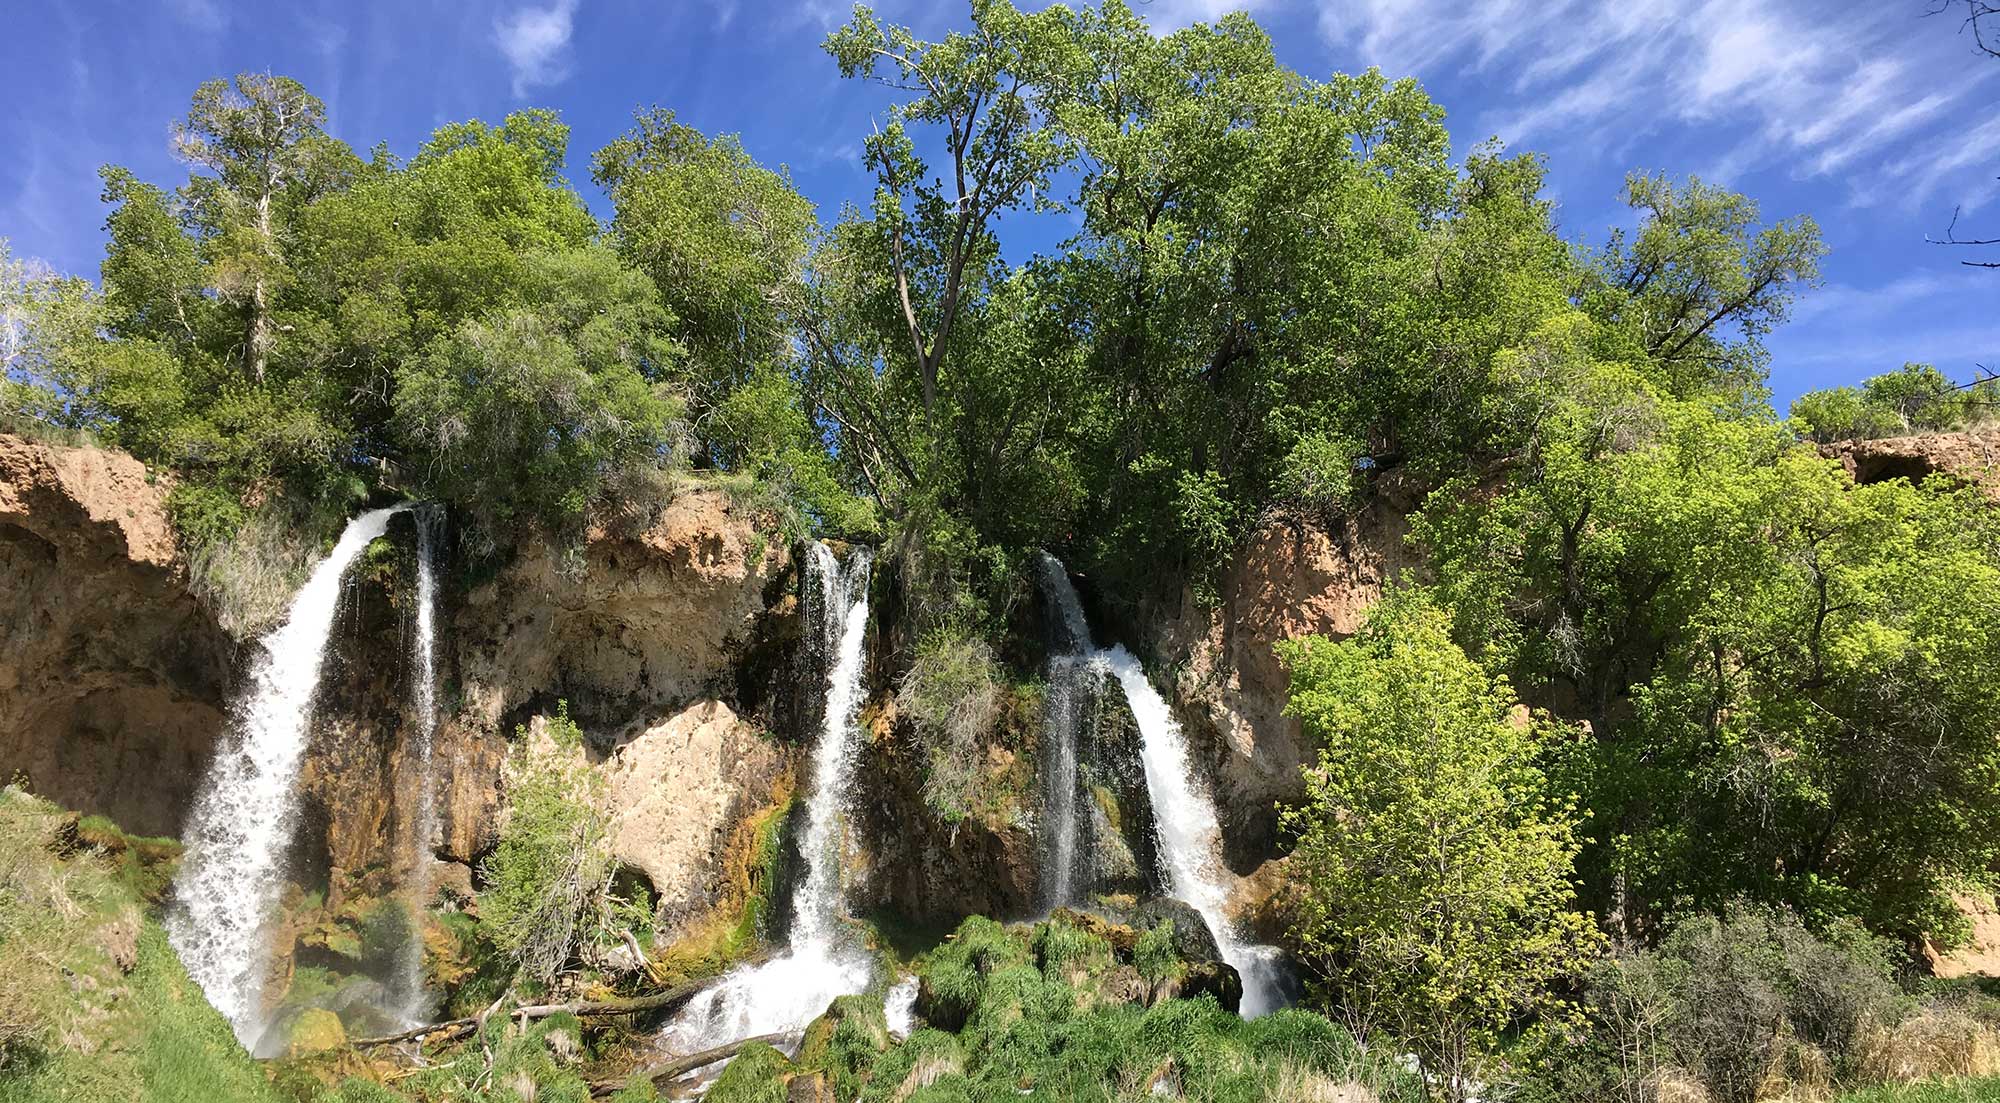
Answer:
(1816, 90)
(535, 41)
(1171, 15)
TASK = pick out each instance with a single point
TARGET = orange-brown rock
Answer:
(631, 624)
(1293, 577)
(112, 677)
(1971, 456)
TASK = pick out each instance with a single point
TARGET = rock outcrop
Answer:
(1971, 456)
(113, 679)
(1294, 577)
(630, 626)
(677, 791)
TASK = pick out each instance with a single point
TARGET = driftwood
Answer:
(582, 1009)
(682, 1065)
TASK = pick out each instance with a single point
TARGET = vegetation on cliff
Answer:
(1676, 727)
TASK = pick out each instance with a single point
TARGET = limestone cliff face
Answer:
(645, 637)
(673, 646)
(113, 679)
(1972, 456)
(636, 623)
(1293, 577)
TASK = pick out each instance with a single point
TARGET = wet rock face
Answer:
(918, 864)
(1294, 577)
(113, 680)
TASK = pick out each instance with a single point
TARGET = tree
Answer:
(998, 143)
(1781, 676)
(1916, 398)
(264, 140)
(723, 238)
(1698, 286)
(1435, 853)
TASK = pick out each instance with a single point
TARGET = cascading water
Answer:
(411, 1000)
(1183, 812)
(785, 994)
(241, 825)
(1190, 841)
(1075, 673)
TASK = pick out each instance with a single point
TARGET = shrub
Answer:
(952, 693)
(553, 852)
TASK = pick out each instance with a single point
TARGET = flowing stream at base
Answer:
(783, 995)
(409, 998)
(1183, 811)
(241, 825)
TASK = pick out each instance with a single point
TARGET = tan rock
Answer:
(1971, 456)
(112, 677)
(1293, 577)
(641, 621)
(676, 792)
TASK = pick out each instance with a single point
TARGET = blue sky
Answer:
(1867, 114)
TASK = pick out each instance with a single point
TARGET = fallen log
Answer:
(583, 1009)
(682, 1065)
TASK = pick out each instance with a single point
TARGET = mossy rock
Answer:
(756, 1075)
(315, 1030)
(1193, 941)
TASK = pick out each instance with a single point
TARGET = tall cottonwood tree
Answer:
(263, 138)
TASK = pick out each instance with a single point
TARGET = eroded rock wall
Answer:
(113, 679)
(1294, 577)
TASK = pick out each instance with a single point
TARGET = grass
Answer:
(95, 1006)
(1971, 1090)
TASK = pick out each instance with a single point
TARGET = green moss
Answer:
(95, 1006)
(757, 1075)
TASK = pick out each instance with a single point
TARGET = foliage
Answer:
(1913, 398)
(953, 694)
(553, 853)
(1781, 676)
(1014, 1030)
(1727, 999)
(1434, 854)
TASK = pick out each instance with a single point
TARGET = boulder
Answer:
(676, 791)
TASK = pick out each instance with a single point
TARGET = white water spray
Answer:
(1190, 840)
(412, 1001)
(1183, 811)
(784, 994)
(241, 825)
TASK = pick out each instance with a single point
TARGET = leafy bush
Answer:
(1728, 998)
(553, 852)
(952, 693)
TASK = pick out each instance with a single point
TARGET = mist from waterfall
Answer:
(783, 995)
(1190, 840)
(241, 824)
(410, 999)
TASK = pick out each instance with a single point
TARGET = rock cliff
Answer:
(113, 679)
(1293, 577)
(1970, 456)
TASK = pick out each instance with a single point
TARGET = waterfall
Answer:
(783, 995)
(241, 824)
(1075, 673)
(411, 1001)
(1183, 811)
